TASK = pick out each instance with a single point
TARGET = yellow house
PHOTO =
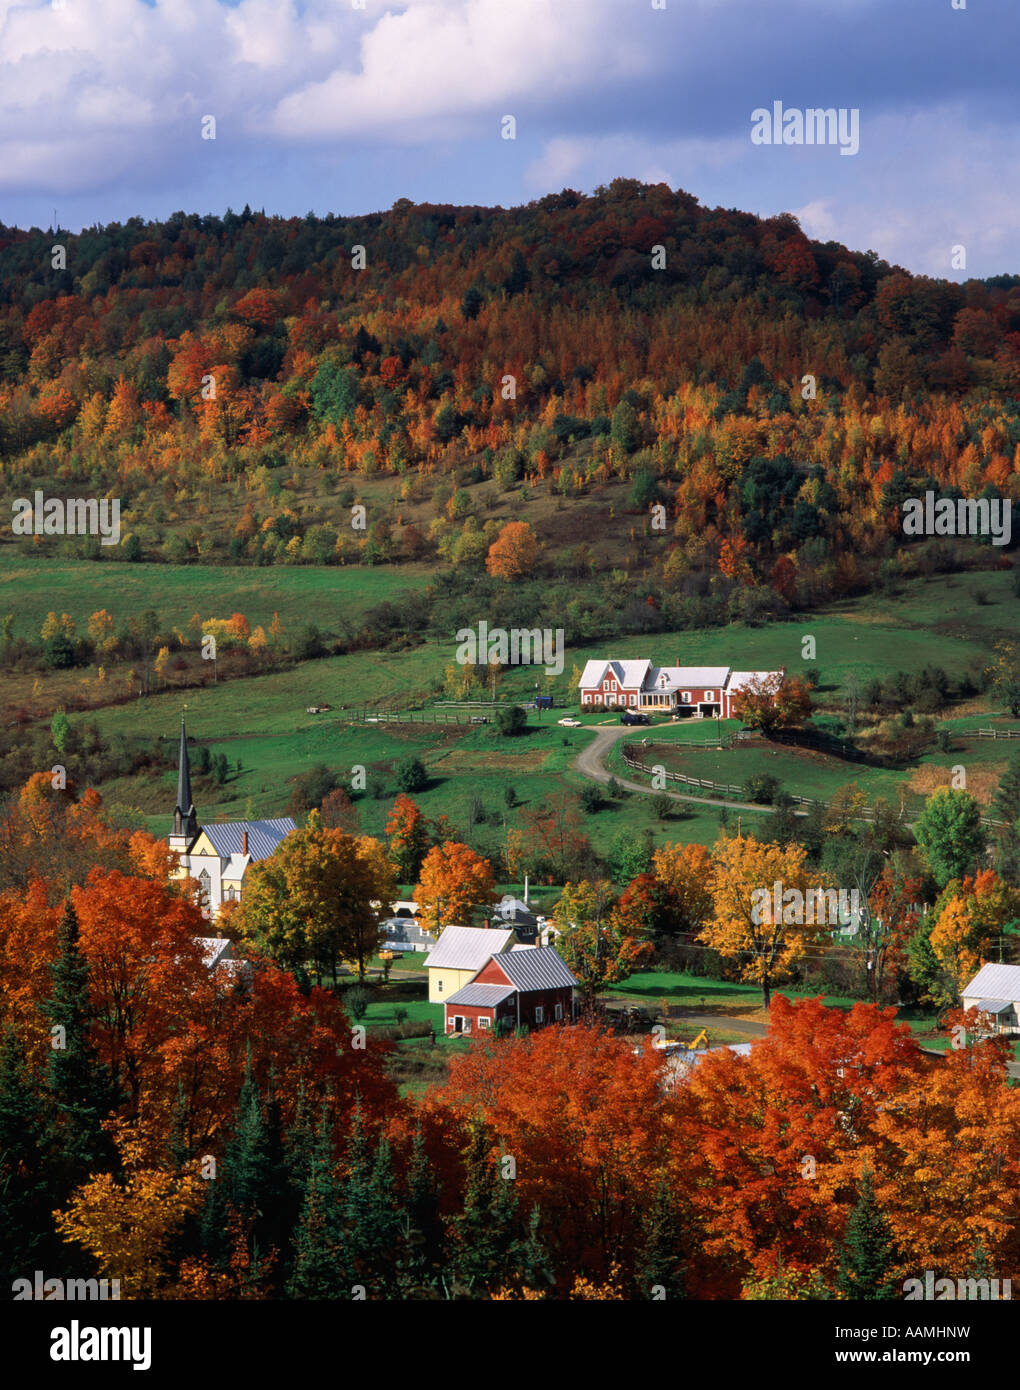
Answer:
(458, 956)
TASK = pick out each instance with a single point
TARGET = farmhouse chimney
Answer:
(244, 842)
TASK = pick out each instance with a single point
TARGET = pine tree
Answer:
(321, 1268)
(868, 1253)
(486, 1249)
(659, 1261)
(372, 1217)
(421, 1229)
(79, 1084)
(25, 1209)
(1007, 797)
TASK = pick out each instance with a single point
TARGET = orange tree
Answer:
(454, 881)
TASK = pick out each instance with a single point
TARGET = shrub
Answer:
(762, 788)
(356, 1001)
(591, 798)
(662, 805)
(411, 775)
(511, 720)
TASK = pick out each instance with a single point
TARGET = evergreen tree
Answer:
(868, 1253)
(660, 1259)
(79, 1084)
(421, 1229)
(321, 1268)
(486, 1249)
(25, 1208)
(371, 1214)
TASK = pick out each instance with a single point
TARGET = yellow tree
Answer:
(596, 940)
(748, 879)
(685, 873)
(453, 881)
(313, 900)
(128, 1225)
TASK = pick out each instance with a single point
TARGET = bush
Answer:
(356, 1001)
(511, 720)
(591, 798)
(411, 775)
(762, 788)
(662, 805)
(945, 740)
(510, 796)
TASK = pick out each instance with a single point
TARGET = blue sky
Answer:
(324, 107)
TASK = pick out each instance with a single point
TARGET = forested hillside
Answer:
(240, 384)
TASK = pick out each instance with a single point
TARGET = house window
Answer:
(539, 1014)
(557, 1012)
(633, 699)
(686, 697)
(439, 985)
(483, 1023)
(709, 695)
(205, 884)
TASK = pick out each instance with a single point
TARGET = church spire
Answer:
(185, 820)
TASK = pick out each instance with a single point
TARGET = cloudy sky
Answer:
(347, 105)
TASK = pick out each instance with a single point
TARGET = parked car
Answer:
(479, 719)
(569, 723)
(632, 717)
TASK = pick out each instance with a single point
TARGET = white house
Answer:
(995, 993)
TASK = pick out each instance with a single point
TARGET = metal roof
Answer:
(540, 968)
(484, 996)
(687, 677)
(994, 1006)
(738, 679)
(995, 982)
(467, 948)
(630, 674)
(264, 836)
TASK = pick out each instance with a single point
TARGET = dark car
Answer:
(629, 717)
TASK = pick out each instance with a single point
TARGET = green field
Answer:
(261, 722)
(32, 587)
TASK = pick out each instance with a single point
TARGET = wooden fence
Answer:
(995, 733)
(728, 789)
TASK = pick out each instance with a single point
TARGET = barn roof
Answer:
(689, 677)
(467, 948)
(482, 996)
(630, 674)
(264, 836)
(540, 968)
(995, 982)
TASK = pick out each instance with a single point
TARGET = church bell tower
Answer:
(185, 820)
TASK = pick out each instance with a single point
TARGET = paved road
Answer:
(590, 762)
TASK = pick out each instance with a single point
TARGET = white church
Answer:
(218, 856)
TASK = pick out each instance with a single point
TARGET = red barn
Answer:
(530, 986)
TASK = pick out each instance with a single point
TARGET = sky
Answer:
(345, 106)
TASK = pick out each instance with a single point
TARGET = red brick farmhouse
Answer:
(527, 986)
(683, 691)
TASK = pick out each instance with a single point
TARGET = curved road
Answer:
(591, 763)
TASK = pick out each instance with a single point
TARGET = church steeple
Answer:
(185, 820)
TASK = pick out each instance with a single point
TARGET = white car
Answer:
(570, 723)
